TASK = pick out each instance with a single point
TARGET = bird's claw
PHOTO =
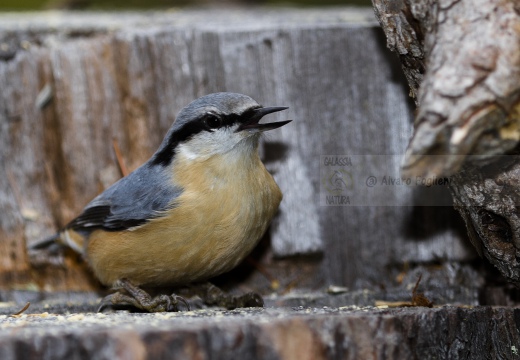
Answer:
(140, 299)
(130, 295)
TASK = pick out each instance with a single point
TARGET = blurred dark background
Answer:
(6, 5)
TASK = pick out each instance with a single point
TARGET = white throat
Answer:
(223, 142)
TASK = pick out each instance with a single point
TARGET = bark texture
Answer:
(464, 56)
(462, 62)
(488, 199)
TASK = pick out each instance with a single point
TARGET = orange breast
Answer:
(223, 211)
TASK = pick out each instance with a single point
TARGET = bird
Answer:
(194, 210)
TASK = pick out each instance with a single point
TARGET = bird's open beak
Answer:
(252, 123)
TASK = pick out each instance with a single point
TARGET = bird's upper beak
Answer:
(252, 124)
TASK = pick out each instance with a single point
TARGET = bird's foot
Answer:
(212, 295)
(140, 299)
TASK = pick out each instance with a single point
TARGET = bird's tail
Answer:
(48, 251)
(45, 243)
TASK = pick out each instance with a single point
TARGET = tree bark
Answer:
(464, 55)
(488, 199)
(462, 63)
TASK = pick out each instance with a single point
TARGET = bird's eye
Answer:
(212, 121)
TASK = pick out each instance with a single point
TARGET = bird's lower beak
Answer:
(252, 124)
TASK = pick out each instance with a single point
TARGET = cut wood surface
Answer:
(299, 333)
(72, 83)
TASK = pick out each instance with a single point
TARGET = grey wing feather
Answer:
(130, 202)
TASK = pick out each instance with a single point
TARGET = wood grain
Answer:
(125, 77)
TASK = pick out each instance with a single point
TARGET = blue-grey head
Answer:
(215, 124)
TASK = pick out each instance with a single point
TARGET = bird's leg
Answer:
(140, 299)
(212, 295)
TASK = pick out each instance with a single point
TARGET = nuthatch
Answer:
(194, 210)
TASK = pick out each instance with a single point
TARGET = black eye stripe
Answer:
(212, 121)
(231, 119)
(165, 155)
(226, 120)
